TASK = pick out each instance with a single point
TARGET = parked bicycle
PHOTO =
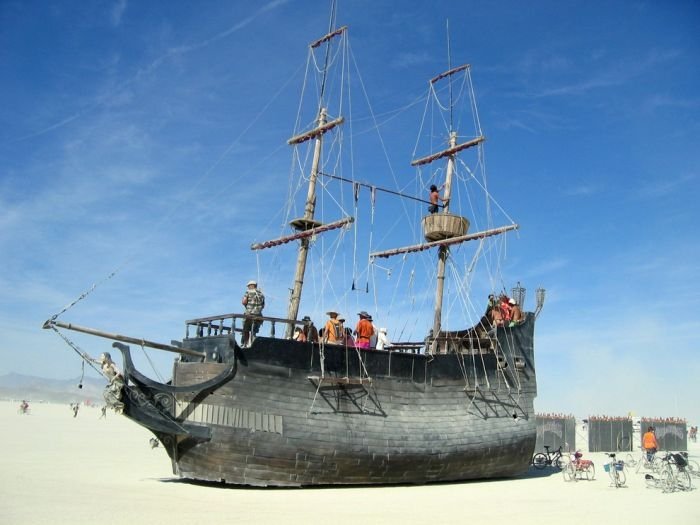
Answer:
(677, 464)
(646, 461)
(555, 459)
(693, 466)
(616, 470)
(578, 468)
(660, 480)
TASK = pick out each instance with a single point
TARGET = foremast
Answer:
(307, 226)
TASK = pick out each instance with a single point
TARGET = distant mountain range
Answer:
(35, 389)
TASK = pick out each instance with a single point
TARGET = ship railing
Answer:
(230, 323)
(406, 348)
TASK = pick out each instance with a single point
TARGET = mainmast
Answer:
(444, 251)
(443, 229)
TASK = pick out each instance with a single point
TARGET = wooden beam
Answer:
(450, 72)
(326, 380)
(448, 151)
(445, 242)
(302, 235)
(327, 37)
(320, 130)
(123, 338)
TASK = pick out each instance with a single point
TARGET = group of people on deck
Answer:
(365, 335)
(335, 332)
(503, 311)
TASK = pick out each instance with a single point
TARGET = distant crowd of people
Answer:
(664, 420)
(609, 418)
(555, 416)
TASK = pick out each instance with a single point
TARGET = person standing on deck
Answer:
(310, 331)
(254, 302)
(333, 332)
(516, 314)
(382, 339)
(364, 331)
(434, 198)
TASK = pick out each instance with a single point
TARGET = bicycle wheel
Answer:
(621, 478)
(590, 472)
(559, 463)
(683, 480)
(539, 460)
(668, 484)
(630, 461)
(693, 468)
(569, 472)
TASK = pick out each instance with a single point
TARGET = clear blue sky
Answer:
(149, 138)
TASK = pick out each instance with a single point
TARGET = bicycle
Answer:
(555, 459)
(676, 464)
(693, 467)
(630, 461)
(616, 470)
(647, 462)
(578, 468)
(662, 480)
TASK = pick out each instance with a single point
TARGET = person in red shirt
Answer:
(363, 331)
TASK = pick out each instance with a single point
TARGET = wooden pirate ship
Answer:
(456, 404)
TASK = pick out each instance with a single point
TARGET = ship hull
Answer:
(376, 417)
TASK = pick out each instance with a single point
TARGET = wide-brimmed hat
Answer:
(332, 313)
(363, 314)
(254, 283)
(306, 318)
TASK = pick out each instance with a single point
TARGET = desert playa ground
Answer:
(59, 469)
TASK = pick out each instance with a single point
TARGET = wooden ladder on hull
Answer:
(357, 391)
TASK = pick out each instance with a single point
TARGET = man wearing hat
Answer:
(516, 314)
(254, 302)
(364, 330)
(333, 332)
(309, 330)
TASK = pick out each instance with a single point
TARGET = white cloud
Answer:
(117, 12)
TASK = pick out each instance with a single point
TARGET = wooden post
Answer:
(309, 209)
(444, 251)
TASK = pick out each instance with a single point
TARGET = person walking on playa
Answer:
(649, 443)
